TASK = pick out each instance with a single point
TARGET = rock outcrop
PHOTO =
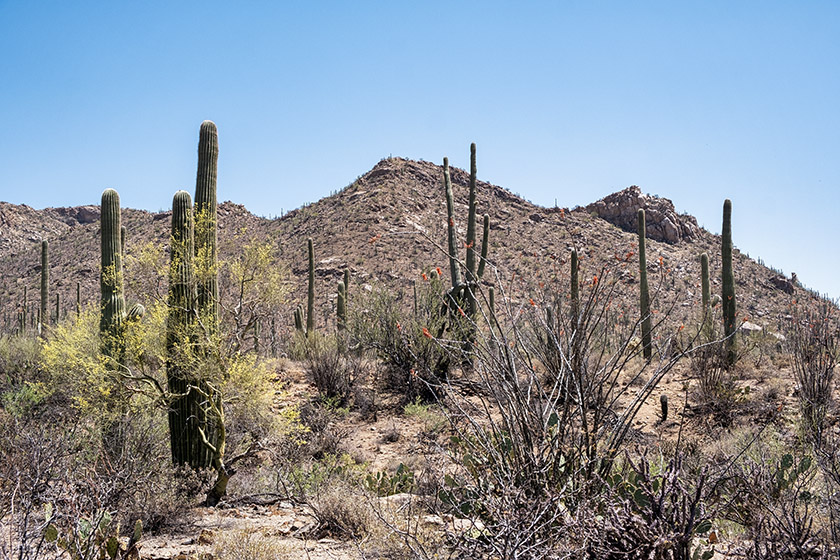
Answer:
(661, 219)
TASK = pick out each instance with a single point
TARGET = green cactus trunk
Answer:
(57, 308)
(706, 297)
(574, 308)
(112, 310)
(347, 285)
(185, 407)
(485, 246)
(207, 286)
(298, 315)
(663, 406)
(644, 295)
(472, 277)
(341, 306)
(728, 284)
(452, 244)
(257, 336)
(310, 292)
(122, 241)
(45, 283)
(78, 299)
(576, 360)
(205, 218)
(492, 304)
(23, 311)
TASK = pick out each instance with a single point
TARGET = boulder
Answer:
(661, 219)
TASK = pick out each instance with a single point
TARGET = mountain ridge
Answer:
(388, 227)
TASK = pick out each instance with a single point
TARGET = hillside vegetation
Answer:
(422, 365)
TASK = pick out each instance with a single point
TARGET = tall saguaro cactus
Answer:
(577, 336)
(475, 266)
(341, 306)
(728, 283)
(310, 292)
(707, 296)
(644, 295)
(112, 310)
(184, 438)
(205, 224)
(471, 248)
(452, 243)
(45, 282)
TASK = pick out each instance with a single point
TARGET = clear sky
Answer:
(567, 100)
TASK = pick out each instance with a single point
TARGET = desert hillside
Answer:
(388, 227)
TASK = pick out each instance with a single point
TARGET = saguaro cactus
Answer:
(23, 311)
(706, 297)
(184, 439)
(644, 295)
(310, 293)
(475, 267)
(471, 248)
(728, 283)
(78, 299)
(45, 282)
(205, 225)
(112, 310)
(298, 315)
(452, 243)
(663, 405)
(346, 284)
(575, 295)
(576, 361)
(341, 306)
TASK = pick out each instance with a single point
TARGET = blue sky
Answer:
(566, 100)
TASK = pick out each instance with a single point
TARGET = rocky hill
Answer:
(388, 227)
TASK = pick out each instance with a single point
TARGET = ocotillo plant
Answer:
(728, 283)
(112, 310)
(644, 295)
(45, 282)
(310, 292)
(207, 301)
(707, 297)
